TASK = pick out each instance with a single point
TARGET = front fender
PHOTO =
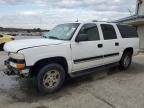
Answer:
(32, 55)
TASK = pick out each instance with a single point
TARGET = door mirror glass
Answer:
(82, 37)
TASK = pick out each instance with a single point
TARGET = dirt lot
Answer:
(117, 89)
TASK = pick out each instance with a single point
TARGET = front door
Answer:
(87, 54)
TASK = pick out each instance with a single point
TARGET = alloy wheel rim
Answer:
(51, 79)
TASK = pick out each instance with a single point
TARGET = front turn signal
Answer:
(20, 66)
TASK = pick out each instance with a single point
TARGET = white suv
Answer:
(71, 49)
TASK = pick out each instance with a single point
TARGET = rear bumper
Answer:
(10, 70)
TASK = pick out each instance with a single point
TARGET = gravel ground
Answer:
(107, 89)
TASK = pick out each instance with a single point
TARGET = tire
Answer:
(125, 61)
(50, 78)
(1, 46)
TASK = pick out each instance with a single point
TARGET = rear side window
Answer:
(127, 31)
(108, 31)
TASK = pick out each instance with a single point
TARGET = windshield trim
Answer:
(74, 31)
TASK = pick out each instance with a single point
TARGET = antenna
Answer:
(77, 20)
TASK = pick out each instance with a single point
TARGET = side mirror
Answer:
(82, 37)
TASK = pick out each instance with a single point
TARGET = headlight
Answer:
(16, 56)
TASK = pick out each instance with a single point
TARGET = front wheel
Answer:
(50, 78)
(125, 61)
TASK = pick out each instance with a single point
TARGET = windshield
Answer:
(62, 31)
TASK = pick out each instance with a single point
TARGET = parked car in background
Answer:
(72, 49)
(4, 39)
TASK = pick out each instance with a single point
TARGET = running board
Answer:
(93, 70)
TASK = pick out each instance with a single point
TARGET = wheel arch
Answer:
(129, 49)
(39, 64)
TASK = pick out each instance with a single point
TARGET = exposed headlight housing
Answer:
(19, 63)
(16, 56)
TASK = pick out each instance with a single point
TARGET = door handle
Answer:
(100, 45)
(116, 44)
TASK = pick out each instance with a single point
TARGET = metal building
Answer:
(137, 20)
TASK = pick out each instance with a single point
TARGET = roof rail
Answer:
(101, 21)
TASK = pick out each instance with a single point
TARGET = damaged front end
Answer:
(16, 67)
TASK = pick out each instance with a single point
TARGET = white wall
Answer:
(141, 35)
(141, 27)
(141, 9)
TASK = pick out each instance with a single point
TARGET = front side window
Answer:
(62, 31)
(91, 31)
(108, 32)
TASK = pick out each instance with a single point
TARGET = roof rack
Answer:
(100, 21)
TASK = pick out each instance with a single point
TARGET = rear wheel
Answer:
(50, 78)
(126, 60)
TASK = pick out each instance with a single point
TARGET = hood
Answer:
(16, 45)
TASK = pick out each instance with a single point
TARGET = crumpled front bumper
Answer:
(9, 70)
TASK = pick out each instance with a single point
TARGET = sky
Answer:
(46, 14)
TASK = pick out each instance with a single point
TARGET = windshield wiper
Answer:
(53, 37)
(44, 36)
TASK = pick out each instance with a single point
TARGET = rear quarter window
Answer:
(127, 31)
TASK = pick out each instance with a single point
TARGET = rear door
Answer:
(111, 44)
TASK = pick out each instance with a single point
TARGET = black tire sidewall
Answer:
(41, 74)
(122, 66)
